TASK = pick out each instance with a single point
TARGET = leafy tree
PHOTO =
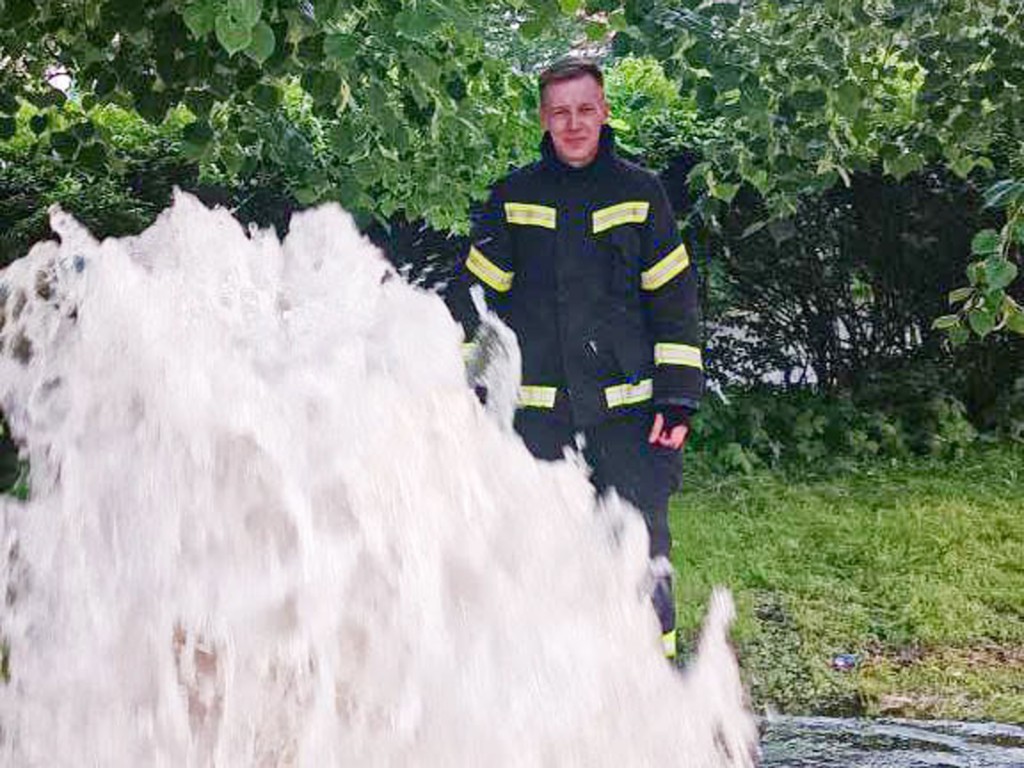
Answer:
(653, 121)
(413, 110)
(987, 303)
(417, 105)
(812, 91)
(807, 94)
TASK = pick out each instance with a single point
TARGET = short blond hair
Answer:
(570, 68)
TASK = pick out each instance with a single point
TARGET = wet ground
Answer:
(820, 742)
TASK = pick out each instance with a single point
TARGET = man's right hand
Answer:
(661, 434)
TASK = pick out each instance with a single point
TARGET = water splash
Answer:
(271, 525)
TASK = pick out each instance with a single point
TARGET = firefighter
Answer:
(580, 255)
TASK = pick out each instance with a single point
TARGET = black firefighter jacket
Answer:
(587, 266)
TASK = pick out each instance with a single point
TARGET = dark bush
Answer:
(842, 296)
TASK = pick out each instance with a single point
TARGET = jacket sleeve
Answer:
(669, 284)
(487, 262)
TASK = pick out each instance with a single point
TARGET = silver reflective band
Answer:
(678, 354)
(629, 394)
(630, 212)
(670, 266)
(531, 215)
(537, 396)
(489, 272)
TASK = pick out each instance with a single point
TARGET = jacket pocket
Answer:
(621, 247)
(625, 337)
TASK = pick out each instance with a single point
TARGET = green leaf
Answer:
(83, 130)
(232, 159)
(9, 103)
(1017, 233)
(727, 78)
(106, 82)
(959, 335)
(532, 29)
(416, 24)
(246, 12)
(1015, 319)
(999, 272)
(424, 67)
(596, 31)
(92, 157)
(705, 96)
(152, 106)
(848, 97)
(808, 100)
(902, 165)
(341, 47)
(322, 85)
(570, 7)
(8, 127)
(341, 139)
(198, 133)
(306, 195)
(51, 97)
(266, 97)
(975, 271)
(63, 143)
(725, 191)
(262, 45)
(200, 18)
(1004, 193)
(233, 35)
(19, 11)
(982, 321)
(200, 102)
(945, 321)
(456, 88)
(960, 294)
(962, 165)
(725, 9)
(39, 123)
(985, 242)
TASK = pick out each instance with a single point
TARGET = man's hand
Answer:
(673, 438)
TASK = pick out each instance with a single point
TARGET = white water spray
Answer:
(270, 525)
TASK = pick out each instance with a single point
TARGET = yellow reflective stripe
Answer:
(468, 350)
(530, 215)
(533, 396)
(670, 266)
(678, 354)
(488, 271)
(630, 212)
(668, 644)
(629, 394)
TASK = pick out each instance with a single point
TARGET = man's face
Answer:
(573, 111)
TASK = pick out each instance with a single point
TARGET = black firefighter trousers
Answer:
(620, 458)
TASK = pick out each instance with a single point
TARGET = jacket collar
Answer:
(605, 153)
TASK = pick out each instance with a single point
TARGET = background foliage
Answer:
(399, 91)
(848, 171)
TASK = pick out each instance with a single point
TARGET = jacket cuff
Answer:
(689, 404)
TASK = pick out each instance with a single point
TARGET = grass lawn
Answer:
(917, 568)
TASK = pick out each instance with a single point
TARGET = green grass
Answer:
(916, 567)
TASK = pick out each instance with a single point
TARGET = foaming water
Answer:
(271, 525)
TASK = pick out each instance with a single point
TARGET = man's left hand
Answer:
(673, 438)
